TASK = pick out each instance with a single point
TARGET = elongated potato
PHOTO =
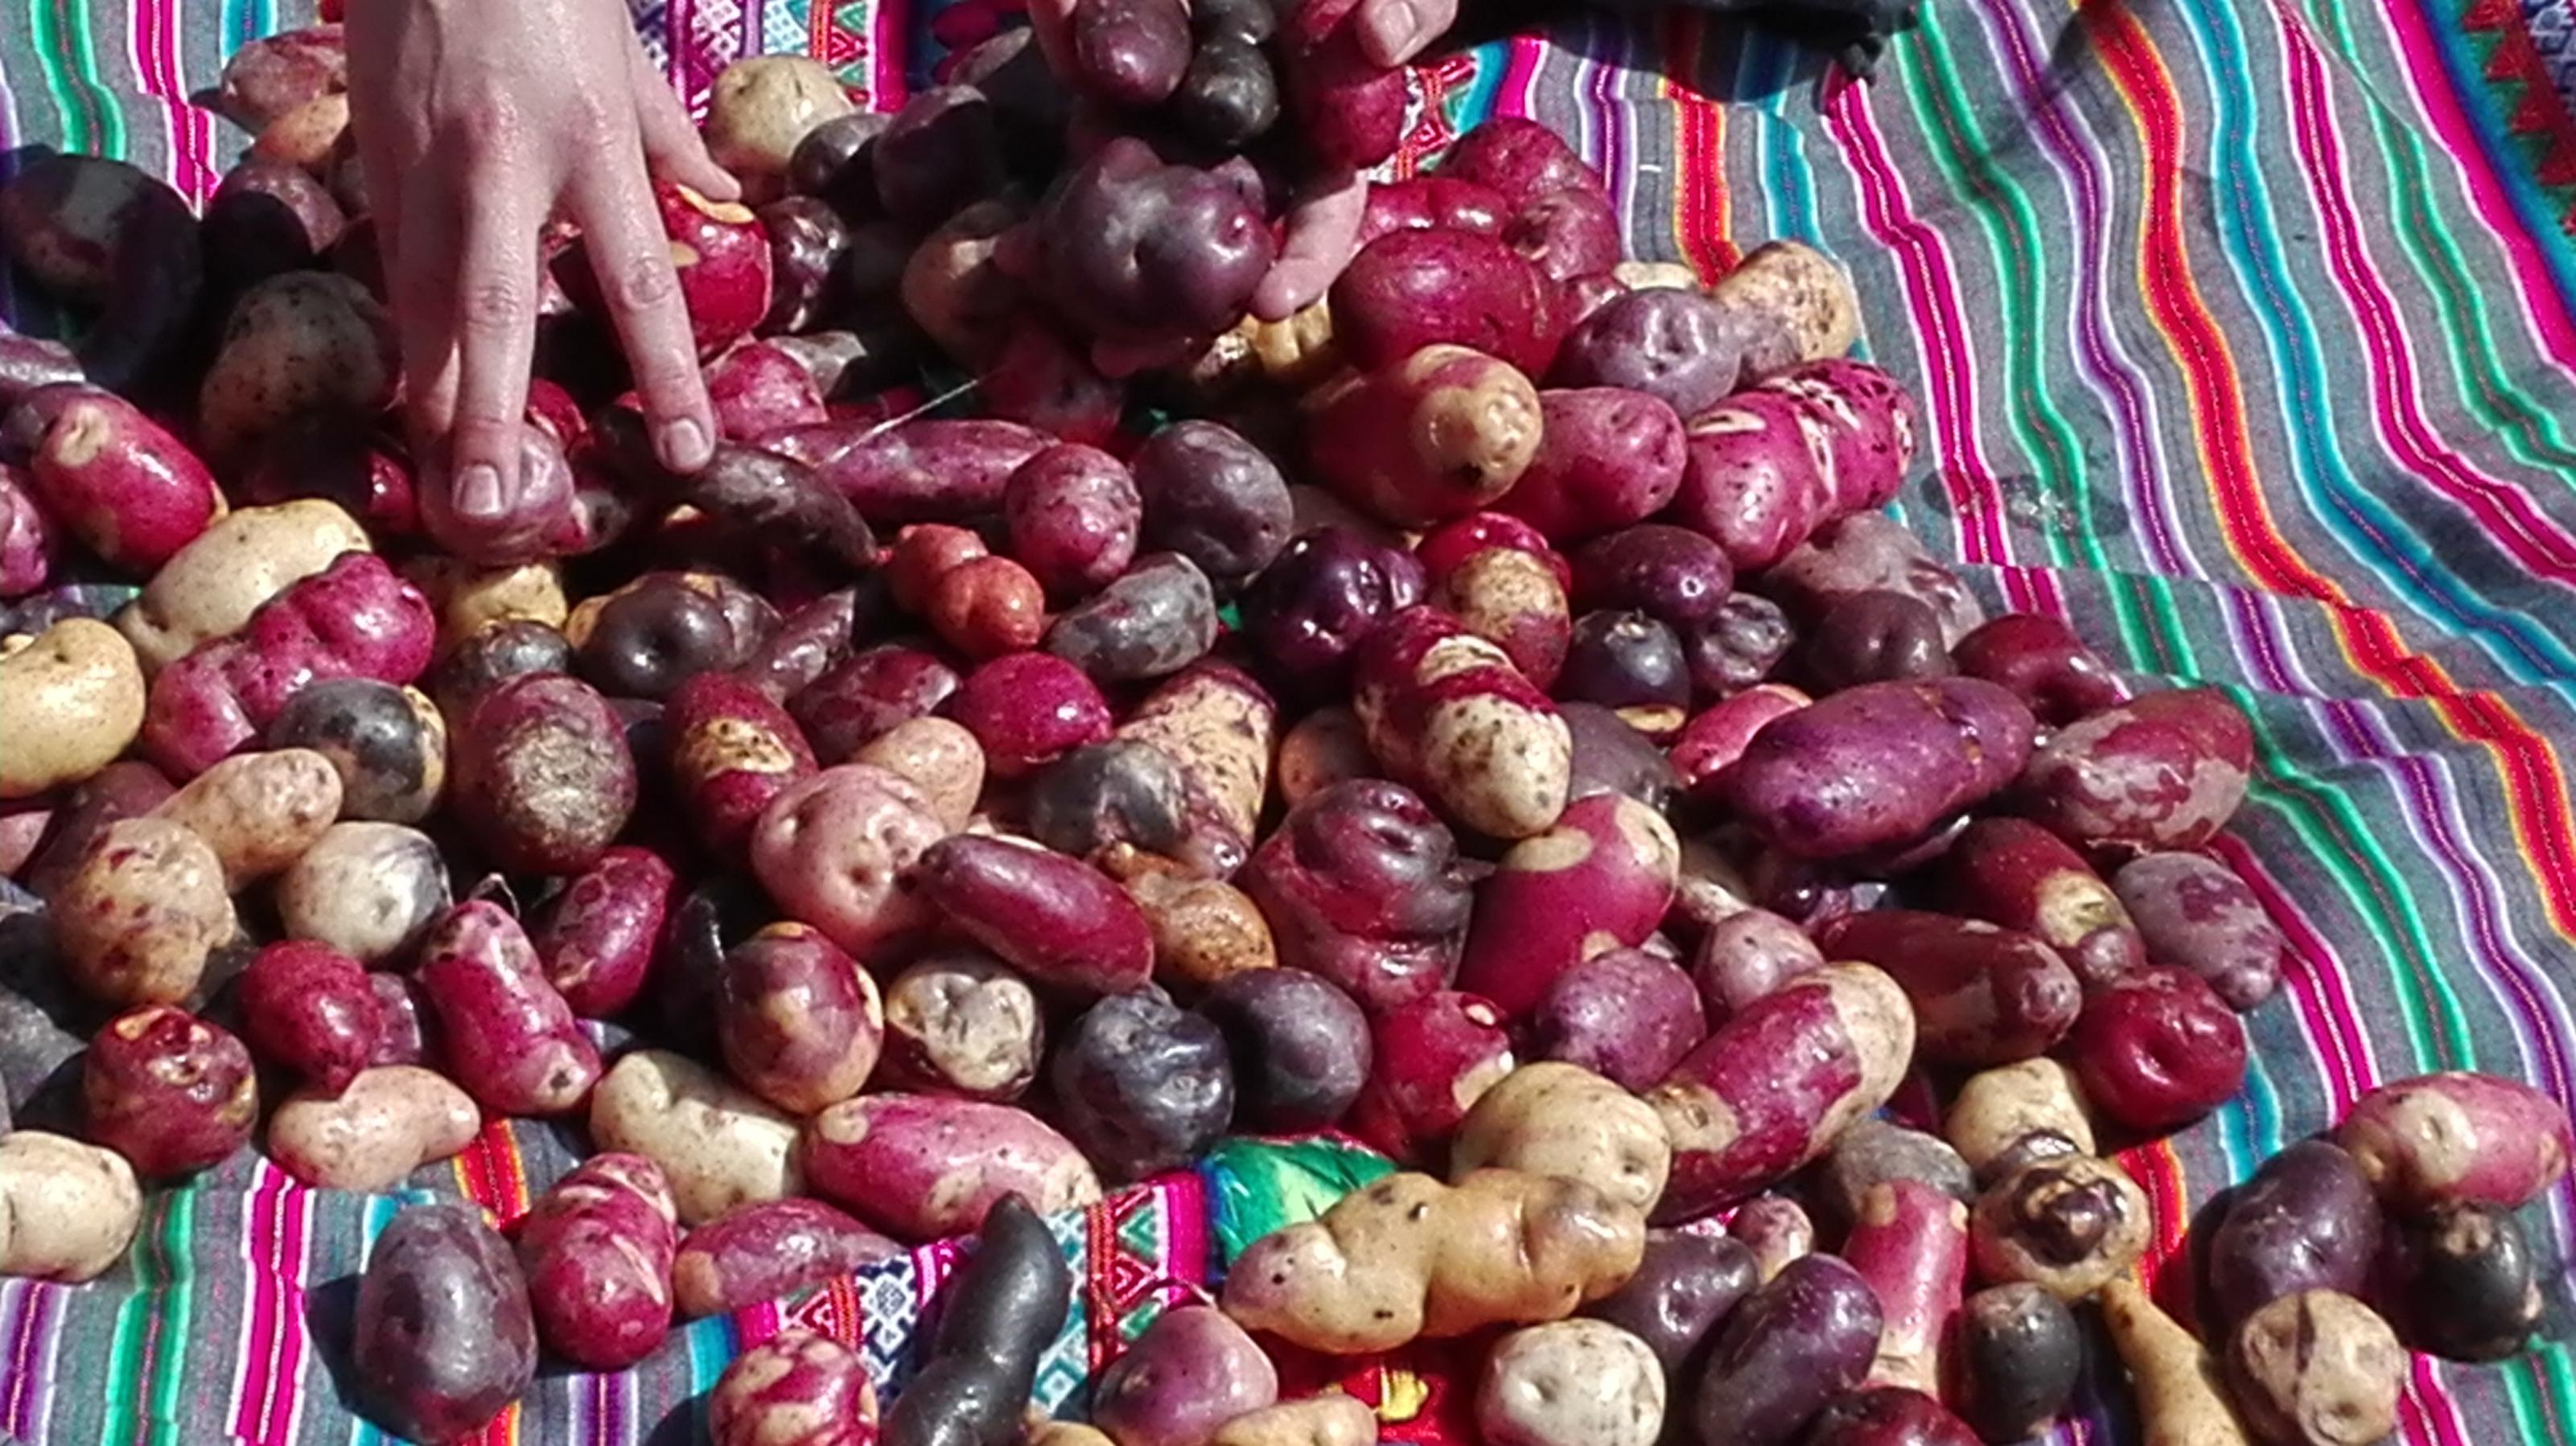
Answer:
(220, 578)
(721, 1146)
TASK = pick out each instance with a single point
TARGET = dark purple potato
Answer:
(1329, 589)
(1737, 648)
(942, 153)
(865, 695)
(1139, 250)
(2306, 1221)
(266, 218)
(654, 636)
(493, 657)
(1685, 1286)
(387, 744)
(1666, 342)
(1672, 574)
(1300, 1048)
(2015, 1357)
(1228, 97)
(1889, 1416)
(1624, 1014)
(1155, 621)
(1120, 791)
(2462, 1283)
(1249, 21)
(444, 1337)
(1611, 756)
(1130, 53)
(1630, 662)
(832, 163)
(1214, 498)
(1141, 1085)
(1801, 1339)
(809, 245)
(1873, 637)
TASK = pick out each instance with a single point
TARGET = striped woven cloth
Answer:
(2246, 333)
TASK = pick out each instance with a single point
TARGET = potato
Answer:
(753, 496)
(1602, 877)
(406, 1026)
(1072, 513)
(1612, 757)
(831, 848)
(1556, 1119)
(105, 235)
(1408, 1256)
(1776, 1229)
(1214, 498)
(1888, 1416)
(1056, 920)
(921, 1168)
(2179, 1401)
(809, 641)
(2015, 1358)
(1747, 955)
(1684, 1287)
(1363, 886)
(720, 1145)
(646, 638)
(30, 542)
(214, 584)
(295, 344)
(2044, 664)
(1739, 1119)
(1436, 435)
(1773, 463)
(2066, 1223)
(2157, 1049)
(1130, 54)
(1004, 1307)
(259, 812)
(2013, 873)
(1981, 995)
(387, 1122)
(1324, 748)
(2317, 1368)
(1566, 234)
(2195, 913)
(1106, 794)
(369, 890)
(1803, 1338)
(768, 1250)
(1519, 159)
(1739, 647)
(1349, 110)
(512, 1040)
(1444, 708)
(307, 1008)
(1191, 1372)
(954, 290)
(1875, 636)
(722, 257)
(1156, 620)
(1328, 1420)
(2164, 772)
(140, 915)
(1217, 725)
(1806, 291)
(799, 1021)
(444, 1339)
(1910, 1242)
(1135, 249)
(2461, 1283)
(1410, 289)
(71, 1209)
(1570, 1383)
(1027, 710)
(595, 938)
(1625, 1014)
(1515, 598)
(794, 1389)
(733, 751)
(757, 111)
(273, 74)
(1300, 1048)
(941, 153)
(939, 757)
(2454, 1138)
(1429, 1063)
(171, 1093)
(868, 694)
(1676, 346)
(1141, 1086)
(1877, 1152)
(386, 745)
(78, 700)
(2306, 1221)
(1229, 95)
(1879, 765)
(596, 1250)
(2004, 1116)
(1607, 458)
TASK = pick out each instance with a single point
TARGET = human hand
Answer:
(476, 121)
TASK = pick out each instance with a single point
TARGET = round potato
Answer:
(1571, 1383)
(137, 919)
(74, 700)
(721, 1145)
(67, 1210)
(1560, 1119)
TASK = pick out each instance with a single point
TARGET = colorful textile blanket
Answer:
(2246, 332)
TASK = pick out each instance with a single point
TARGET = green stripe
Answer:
(170, 1365)
(71, 112)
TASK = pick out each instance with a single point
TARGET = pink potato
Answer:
(2012, 873)
(722, 254)
(1047, 381)
(1667, 342)
(308, 1009)
(1445, 709)
(799, 1021)
(1191, 1372)
(2157, 1049)
(768, 1249)
(597, 936)
(1607, 457)
(1878, 766)
(922, 1168)
(1433, 436)
(733, 750)
(831, 850)
(2195, 912)
(354, 619)
(759, 389)
(543, 776)
(1981, 995)
(29, 539)
(1429, 1065)
(111, 476)
(1767, 467)
(2457, 1138)
(110, 237)
(1910, 1242)
(1448, 548)
(510, 1039)
(1362, 885)
(1415, 288)
(1566, 234)
(1520, 159)
(935, 469)
(2166, 771)
(596, 1250)
(2044, 664)
(1747, 955)
(1624, 1014)
(1602, 877)
(1768, 1092)
(1350, 111)
(1072, 513)
(170, 1092)
(1057, 920)
(794, 1389)
(1718, 735)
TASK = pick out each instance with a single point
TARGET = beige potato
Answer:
(1571, 1383)
(390, 1121)
(139, 916)
(721, 1145)
(757, 111)
(470, 598)
(71, 700)
(302, 342)
(1317, 1421)
(1996, 1108)
(956, 292)
(67, 1210)
(368, 890)
(1325, 747)
(1560, 1119)
(216, 582)
(940, 757)
(259, 812)
(1655, 275)
(2317, 1368)
(1804, 289)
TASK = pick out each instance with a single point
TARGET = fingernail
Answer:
(1389, 26)
(478, 492)
(683, 445)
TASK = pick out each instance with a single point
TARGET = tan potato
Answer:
(940, 757)
(721, 1145)
(1997, 1108)
(307, 134)
(72, 700)
(1560, 1119)
(955, 291)
(1571, 1383)
(1204, 929)
(216, 582)
(303, 342)
(368, 890)
(1801, 287)
(139, 916)
(2179, 1400)
(1655, 275)
(1318, 1421)
(67, 1210)
(757, 111)
(1293, 354)
(1325, 747)
(259, 812)
(390, 1121)
(470, 598)
(2318, 1368)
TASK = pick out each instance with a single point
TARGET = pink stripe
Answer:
(31, 1364)
(152, 45)
(889, 23)
(17, 1307)
(252, 1388)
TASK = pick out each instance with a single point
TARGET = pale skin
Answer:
(487, 118)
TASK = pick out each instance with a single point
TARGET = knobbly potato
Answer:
(2441, 1139)
(1136, 249)
(922, 1168)
(369, 890)
(1205, 930)
(512, 1040)
(1072, 513)
(543, 775)
(1677, 346)
(259, 812)
(220, 578)
(798, 1019)
(721, 1146)
(1625, 1014)
(2317, 1368)
(1192, 1371)
(867, 694)
(444, 1339)
(1803, 1338)
(141, 914)
(1309, 609)
(389, 1121)
(1607, 458)
(1556, 1119)
(1515, 596)
(831, 848)
(1519, 159)
(1570, 1383)
(1004, 1307)
(308, 1009)
(2176, 1382)
(387, 744)
(1875, 1152)
(646, 638)
(1217, 725)
(962, 1023)
(794, 1389)
(168, 1091)
(71, 1209)
(1362, 885)
(75, 700)
(766, 1250)
(1141, 1085)
(2067, 1224)
(1154, 621)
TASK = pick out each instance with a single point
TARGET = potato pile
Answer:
(1487, 714)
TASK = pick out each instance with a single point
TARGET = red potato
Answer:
(935, 469)
(1718, 735)
(1349, 111)
(1878, 766)
(2457, 1138)
(1625, 1014)
(105, 235)
(1519, 159)
(2166, 771)
(1437, 435)
(1769, 1091)
(1607, 457)
(1415, 288)
(1057, 920)
(2014, 874)
(867, 695)
(111, 476)
(1566, 234)
(2193, 912)
(767, 1250)
(798, 1020)
(2158, 1049)
(1217, 726)
(1432, 202)
(794, 1389)
(722, 256)
(830, 851)
(1027, 710)
(407, 1029)
(1602, 877)
(1765, 468)
(354, 619)
(1048, 382)
(758, 389)
(1073, 513)
(29, 362)
(29, 539)
(922, 1168)
(597, 1250)
(1134, 249)
(1362, 885)
(1444, 708)
(988, 607)
(168, 1091)
(1130, 53)
(960, 1023)
(1747, 955)
(513, 1043)
(597, 936)
(1981, 995)
(1865, 552)
(308, 1009)
(1910, 1242)
(1446, 549)
(732, 752)
(1515, 599)
(2044, 664)
(1429, 1065)
(544, 778)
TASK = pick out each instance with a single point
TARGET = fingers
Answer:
(495, 306)
(1323, 230)
(622, 231)
(422, 236)
(1394, 31)
(673, 149)
(1053, 22)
